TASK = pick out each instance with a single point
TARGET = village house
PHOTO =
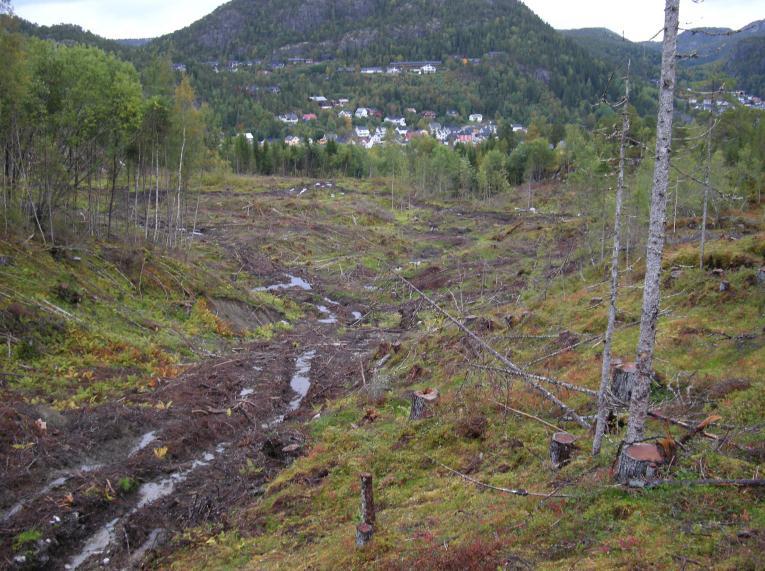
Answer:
(179, 67)
(362, 113)
(371, 70)
(400, 121)
(518, 128)
(292, 141)
(289, 118)
(476, 118)
(362, 132)
(344, 114)
(393, 70)
(318, 99)
(309, 117)
(427, 69)
(429, 114)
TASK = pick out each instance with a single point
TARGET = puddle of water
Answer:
(96, 545)
(357, 315)
(149, 493)
(301, 381)
(143, 442)
(57, 483)
(150, 543)
(295, 282)
(331, 318)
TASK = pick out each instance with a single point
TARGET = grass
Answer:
(709, 358)
(142, 315)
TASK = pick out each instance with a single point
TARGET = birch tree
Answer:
(603, 399)
(656, 230)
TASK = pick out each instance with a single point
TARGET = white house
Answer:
(250, 138)
(362, 132)
(318, 99)
(399, 121)
(392, 70)
(428, 69)
(362, 113)
(344, 114)
(518, 128)
(292, 141)
(476, 118)
(289, 118)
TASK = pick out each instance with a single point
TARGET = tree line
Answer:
(90, 146)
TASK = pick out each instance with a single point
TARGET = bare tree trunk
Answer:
(600, 426)
(707, 177)
(156, 200)
(656, 232)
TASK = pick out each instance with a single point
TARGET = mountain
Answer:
(711, 45)
(738, 54)
(70, 34)
(616, 50)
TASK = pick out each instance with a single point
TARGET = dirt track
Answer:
(228, 425)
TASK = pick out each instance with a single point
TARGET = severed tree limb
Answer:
(531, 416)
(681, 423)
(515, 492)
(709, 482)
(540, 378)
(527, 377)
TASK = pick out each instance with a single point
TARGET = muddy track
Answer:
(110, 484)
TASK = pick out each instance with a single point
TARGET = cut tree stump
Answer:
(562, 446)
(423, 403)
(367, 500)
(637, 464)
(408, 312)
(622, 381)
(364, 533)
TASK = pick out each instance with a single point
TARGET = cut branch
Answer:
(527, 378)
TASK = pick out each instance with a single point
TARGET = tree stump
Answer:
(408, 313)
(622, 381)
(638, 463)
(561, 449)
(367, 500)
(364, 533)
(423, 403)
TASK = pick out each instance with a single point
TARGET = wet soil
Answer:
(106, 486)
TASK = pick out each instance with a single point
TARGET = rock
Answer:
(761, 276)
(724, 286)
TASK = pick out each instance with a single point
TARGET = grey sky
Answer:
(637, 19)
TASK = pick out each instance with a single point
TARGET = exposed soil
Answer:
(106, 486)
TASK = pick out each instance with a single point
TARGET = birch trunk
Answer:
(605, 373)
(656, 231)
(707, 178)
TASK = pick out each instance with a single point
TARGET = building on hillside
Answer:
(476, 118)
(429, 115)
(309, 117)
(396, 120)
(318, 99)
(362, 132)
(372, 70)
(362, 113)
(289, 118)
(345, 114)
(292, 141)
(428, 68)
(179, 67)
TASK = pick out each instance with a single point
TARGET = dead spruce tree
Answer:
(655, 250)
(603, 404)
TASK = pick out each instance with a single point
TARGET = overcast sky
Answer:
(637, 19)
